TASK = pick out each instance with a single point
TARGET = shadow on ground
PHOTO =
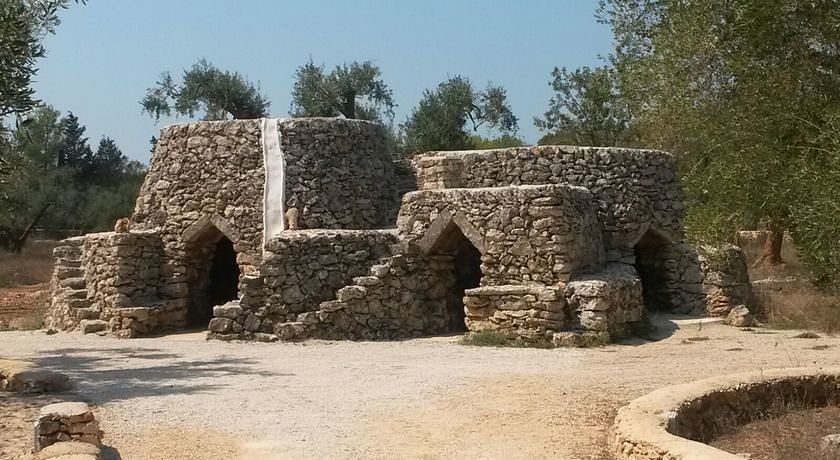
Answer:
(115, 374)
(663, 326)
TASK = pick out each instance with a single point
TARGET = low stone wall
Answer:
(608, 302)
(673, 422)
(529, 234)
(67, 422)
(634, 188)
(530, 313)
(299, 270)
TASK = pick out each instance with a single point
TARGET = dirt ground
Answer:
(794, 436)
(17, 414)
(180, 397)
(19, 303)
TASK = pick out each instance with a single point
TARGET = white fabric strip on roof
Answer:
(274, 206)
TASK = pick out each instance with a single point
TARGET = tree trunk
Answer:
(348, 106)
(17, 244)
(771, 252)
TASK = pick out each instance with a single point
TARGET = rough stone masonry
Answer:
(545, 243)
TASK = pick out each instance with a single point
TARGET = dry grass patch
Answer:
(793, 436)
(34, 265)
(801, 307)
(498, 339)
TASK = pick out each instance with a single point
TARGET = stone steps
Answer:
(91, 326)
(68, 262)
(72, 293)
(76, 283)
(85, 313)
(63, 272)
(76, 293)
(78, 303)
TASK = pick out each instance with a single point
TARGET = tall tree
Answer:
(108, 162)
(443, 116)
(740, 91)
(218, 94)
(354, 90)
(586, 108)
(75, 152)
(41, 139)
(28, 195)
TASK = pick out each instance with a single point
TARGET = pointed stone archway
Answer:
(650, 249)
(212, 270)
(451, 238)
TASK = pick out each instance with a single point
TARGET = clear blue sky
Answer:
(106, 54)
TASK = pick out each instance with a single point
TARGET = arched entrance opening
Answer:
(213, 274)
(652, 269)
(451, 244)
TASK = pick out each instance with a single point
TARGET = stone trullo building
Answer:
(297, 228)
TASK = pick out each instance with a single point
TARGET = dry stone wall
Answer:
(406, 295)
(339, 173)
(634, 188)
(608, 302)
(112, 282)
(205, 183)
(299, 270)
(726, 282)
(529, 313)
(528, 234)
(67, 422)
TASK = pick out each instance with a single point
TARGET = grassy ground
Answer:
(24, 279)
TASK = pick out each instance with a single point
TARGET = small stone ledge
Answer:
(662, 424)
(512, 289)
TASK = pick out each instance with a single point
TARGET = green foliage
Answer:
(439, 122)
(205, 88)
(352, 91)
(75, 152)
(501, 142)
(20, 47)
(57, 182)
(23, 23)
(586, 109)
(744, 93)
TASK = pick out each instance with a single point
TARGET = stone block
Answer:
(220, 325)
(91, 326)
(230, 310)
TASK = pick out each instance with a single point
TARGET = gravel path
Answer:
(181, 397)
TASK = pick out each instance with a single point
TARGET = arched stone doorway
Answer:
(212, 271)
(447, 240)
(651, 264)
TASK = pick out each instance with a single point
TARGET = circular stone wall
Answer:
(674, 422)
(338, 174)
